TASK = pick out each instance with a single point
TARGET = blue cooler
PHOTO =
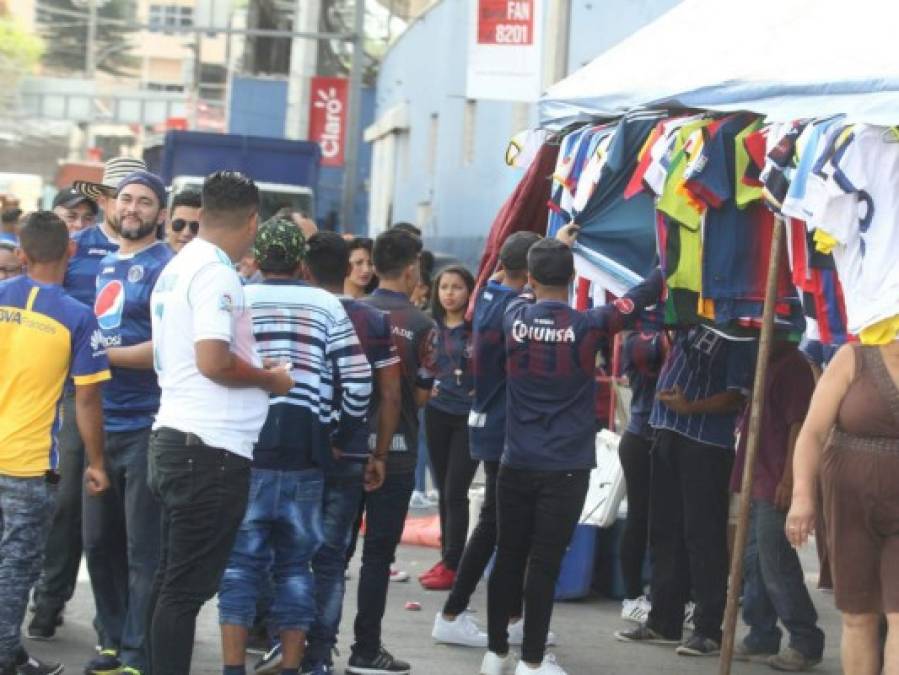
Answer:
(576, 573)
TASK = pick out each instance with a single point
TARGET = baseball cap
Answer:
(70, 197)
(114, 171)
(551, 263)
(147, 179)
(280, 245)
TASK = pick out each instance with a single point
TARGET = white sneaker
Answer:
(398, 575)
(419, 501)
(636, 610)
(549, 667)
(462, 631)
(516, 634)
(494, 664)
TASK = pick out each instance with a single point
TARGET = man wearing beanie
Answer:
(122, 527)
(307, 328)
(550, 446)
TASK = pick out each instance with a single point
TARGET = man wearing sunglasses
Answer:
(184, 222)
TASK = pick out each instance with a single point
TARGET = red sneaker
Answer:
(436, 568)
(442, 580)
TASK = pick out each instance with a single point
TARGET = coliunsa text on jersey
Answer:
(521, 332)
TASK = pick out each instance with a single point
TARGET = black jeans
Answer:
(63, 553)
(385, 517)
(204, 493)
(453, 470)
(633, 451)
(688, 533)
(537, 513)
(478, 551)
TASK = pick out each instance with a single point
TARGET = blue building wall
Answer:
(426, 70)
(259, 108)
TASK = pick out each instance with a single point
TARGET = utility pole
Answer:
(303, 65)
(198, 69)
(90, 66)
(90, 55)
(556, 42)
(353, 119)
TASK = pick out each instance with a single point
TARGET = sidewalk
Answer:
(585, 628)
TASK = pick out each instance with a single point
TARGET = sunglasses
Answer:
(179, 224)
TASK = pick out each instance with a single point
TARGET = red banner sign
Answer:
(327, 117)
(506, 22)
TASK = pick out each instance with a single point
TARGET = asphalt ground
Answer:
(584, 628)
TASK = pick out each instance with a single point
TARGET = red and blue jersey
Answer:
(487, 420)
(122, 307)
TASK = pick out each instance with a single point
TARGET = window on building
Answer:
(469, 125)
(171, 16)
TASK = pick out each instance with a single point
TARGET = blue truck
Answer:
(286, 172)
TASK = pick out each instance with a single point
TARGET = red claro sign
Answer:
(506, 22)
(327, 117)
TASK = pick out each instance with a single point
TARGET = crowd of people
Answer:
(201, 404)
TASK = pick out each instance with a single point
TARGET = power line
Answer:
(153, 28)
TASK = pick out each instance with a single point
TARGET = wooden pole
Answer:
(752, 445)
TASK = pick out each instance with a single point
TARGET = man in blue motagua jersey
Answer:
(122, 529)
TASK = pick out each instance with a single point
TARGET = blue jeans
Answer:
(122, 542)
(385, 516)
(26, 510)
(281, 532)
(774, 587)
(342, 496)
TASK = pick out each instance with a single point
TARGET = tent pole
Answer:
(752, 444)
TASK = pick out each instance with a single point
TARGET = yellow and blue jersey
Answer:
(45, 337)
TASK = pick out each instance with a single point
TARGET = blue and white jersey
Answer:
(487, 420)
(704, 364)
(122, 307)
(308, 327)
(91, 246)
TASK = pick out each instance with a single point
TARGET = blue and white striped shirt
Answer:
(309, 327)
(703, 364)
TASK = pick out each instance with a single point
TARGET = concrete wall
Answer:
(451, 193)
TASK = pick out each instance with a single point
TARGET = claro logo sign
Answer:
(327, 117)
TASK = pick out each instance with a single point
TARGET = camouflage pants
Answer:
(26, 510)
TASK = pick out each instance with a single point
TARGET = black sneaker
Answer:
(28, 665)
(270, 663)
(105, 663)
(699, 645)
(382, 664)
(644, 633)
(44, 623)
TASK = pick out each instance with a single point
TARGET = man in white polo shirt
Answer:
(214, 403)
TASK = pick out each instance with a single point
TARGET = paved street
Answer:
(586, 645)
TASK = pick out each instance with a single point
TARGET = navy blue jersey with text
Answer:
(122, 308)
(551, 352)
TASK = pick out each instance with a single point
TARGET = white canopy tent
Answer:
(787, 59)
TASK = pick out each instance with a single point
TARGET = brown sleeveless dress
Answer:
(860, 480)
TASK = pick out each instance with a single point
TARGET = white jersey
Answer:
(853, 197)
(199, 297)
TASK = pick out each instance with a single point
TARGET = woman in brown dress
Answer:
(851, 435)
